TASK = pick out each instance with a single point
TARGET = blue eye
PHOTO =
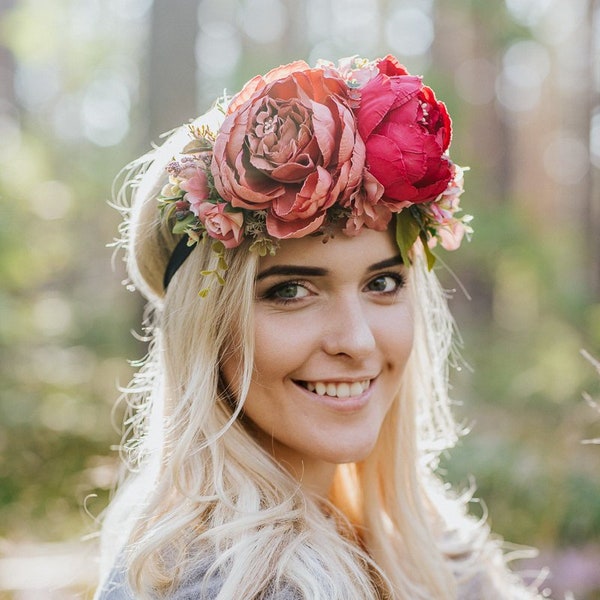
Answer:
(386, 284)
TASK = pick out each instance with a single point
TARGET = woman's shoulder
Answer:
(481, 568)
(485, 586)
(116, 586)
(201, 583)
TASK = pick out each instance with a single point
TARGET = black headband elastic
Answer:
(181, 252)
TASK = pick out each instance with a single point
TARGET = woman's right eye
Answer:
(287, 292)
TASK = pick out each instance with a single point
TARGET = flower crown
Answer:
(302, 149)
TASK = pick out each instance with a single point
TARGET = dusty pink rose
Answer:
(407, 133)
(196, 188)
(260, 81)
(291, 149)
(366, 209)
(221, 224)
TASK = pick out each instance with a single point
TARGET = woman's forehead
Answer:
(338, 250)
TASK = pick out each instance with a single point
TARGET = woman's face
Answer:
(333, 331)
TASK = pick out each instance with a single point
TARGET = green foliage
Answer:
(522, 396)
(65, 320)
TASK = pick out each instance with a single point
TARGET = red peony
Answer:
(289, 146)
(406, 133)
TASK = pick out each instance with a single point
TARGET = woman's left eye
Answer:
(386, 284)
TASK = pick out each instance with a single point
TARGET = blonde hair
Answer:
(202, 492)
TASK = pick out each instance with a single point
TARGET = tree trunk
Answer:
(172, 65)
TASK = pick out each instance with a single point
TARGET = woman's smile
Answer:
(342, 397)
(333, 331)
(343, 389)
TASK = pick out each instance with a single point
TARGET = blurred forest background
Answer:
(87, 85)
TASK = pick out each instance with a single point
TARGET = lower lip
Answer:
(350, 404)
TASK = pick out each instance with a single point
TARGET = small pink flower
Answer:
(221, 224)
(450, 234)
(366, 209)
(197, 189)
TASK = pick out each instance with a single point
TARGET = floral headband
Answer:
(302, 149)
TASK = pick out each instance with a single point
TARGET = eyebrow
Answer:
(394, 261)
(292, 270)
(302, 271)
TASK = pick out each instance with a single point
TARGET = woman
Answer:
(288, 420)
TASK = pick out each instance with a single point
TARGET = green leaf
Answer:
(407, 232)
(223, 266)
(181, 226)
(218, 247)
(429, 255)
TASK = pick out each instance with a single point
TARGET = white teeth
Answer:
(338, 390)
(356, 389)
(343, 390)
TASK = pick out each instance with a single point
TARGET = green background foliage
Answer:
(86, 85)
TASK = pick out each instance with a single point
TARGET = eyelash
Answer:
(271, 294)
(398, 278)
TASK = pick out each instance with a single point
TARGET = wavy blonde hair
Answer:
(201, 491)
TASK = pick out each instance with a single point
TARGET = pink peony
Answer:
(290, 148)
(221, 224)
(407, 133)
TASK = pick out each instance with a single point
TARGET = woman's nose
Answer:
(347, 329)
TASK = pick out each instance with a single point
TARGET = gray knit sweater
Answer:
(194, 587)
(481, 586)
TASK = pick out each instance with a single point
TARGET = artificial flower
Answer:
(222, 224)
(407, 133)
(291, 149)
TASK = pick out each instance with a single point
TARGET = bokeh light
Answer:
(37, 84)
(263, 21)
(595, 139)
(525, 66)
(52, 314)
(51, 200)
(475, 80)
(218, 49)
(409, 31)
(105, 111)
(566, 158)
(528, 12)
(77, 101)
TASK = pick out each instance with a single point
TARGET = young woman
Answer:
(287, 423)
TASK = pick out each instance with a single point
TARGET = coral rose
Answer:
(291, 149)
(407, 133)
(222, 224)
